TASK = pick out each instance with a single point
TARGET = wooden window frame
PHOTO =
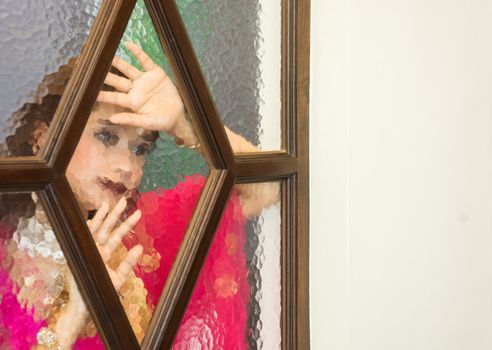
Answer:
(46, 174)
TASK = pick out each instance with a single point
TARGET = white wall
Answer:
(401, 175)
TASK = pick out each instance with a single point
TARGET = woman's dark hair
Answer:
(31, 115)
(26, 120)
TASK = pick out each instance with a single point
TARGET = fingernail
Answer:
(136, 215)
(114, 119)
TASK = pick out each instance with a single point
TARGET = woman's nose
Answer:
(126, 167)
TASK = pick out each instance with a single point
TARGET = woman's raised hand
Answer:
(153, 100)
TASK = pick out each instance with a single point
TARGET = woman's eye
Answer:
(107, 137)
(141, 149)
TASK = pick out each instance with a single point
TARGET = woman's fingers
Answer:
(141, 56)
(126, 68)
(132, 119)
(105, 229)
(97, 220)
(119, 83)
(116, 98)
(115, 238)
(126, 266)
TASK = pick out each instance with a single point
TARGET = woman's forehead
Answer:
(100, 118)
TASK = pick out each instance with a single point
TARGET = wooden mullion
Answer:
(189, 261)
(264, 166)
(295, 205)
(301, 32)
(288, 312)
(86, 82)
(191, 82)
(24, 175)
(288, 77)
(87, 266)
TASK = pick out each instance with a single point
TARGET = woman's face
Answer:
(108, 161)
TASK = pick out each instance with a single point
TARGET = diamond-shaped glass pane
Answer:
(136, 172)
(39, 301)
(238, 44)
(39, 41)
(237, 299)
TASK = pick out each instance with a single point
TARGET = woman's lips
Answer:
(117, 188)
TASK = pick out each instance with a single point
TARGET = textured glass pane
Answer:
(37, 39)
(135, 177)
(236, 302)
(264, 269)
(39, 301)
(238, 43)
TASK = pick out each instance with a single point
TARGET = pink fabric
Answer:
(217, 312)
(18, 329)
(216, 315)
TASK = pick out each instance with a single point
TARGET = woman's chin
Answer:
(94, 201)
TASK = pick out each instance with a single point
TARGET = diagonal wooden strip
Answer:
(86, 82)
(87, 266)
(191, 82)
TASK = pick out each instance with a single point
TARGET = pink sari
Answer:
(217, 312)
